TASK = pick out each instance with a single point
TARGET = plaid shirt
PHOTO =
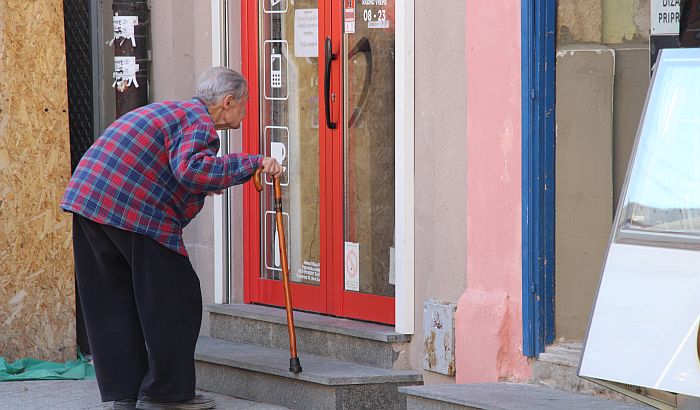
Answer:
(151, 170)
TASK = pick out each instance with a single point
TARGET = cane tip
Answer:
(294, 365)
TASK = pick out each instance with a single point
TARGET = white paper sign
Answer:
(124, 29)
(665, 16)
(306, 33)
(125, 69)
(352, 266)
(349, 16)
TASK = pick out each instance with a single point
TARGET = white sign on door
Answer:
(306, 33)
(665, 16)
(352, 266)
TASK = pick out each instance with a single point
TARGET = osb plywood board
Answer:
(37, 294)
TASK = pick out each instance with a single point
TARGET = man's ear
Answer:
(228, 101)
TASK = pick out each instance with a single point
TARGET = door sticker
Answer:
(349, 16)
(275, 6)
(375, 17)
(276, 143)
(352, 266)
(309, 271)
(276, 87)
(306, 33)
(276, 70)
(272, 248)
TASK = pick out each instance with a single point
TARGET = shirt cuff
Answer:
(256, 160)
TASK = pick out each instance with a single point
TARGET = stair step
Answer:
(567, 354)
(505, 396)
(557, 368)
(336, 338)
(262, 374)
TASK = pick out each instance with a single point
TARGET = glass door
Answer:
(287, 71)
(322, 86)
(367, 242)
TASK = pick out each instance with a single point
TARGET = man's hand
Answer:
(271, 167)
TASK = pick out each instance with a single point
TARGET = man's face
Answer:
(233, 111)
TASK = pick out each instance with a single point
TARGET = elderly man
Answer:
(132, 193)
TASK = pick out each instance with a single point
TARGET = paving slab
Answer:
(84, 394)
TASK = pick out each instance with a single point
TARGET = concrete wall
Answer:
(440, 147)
(579, 21)
(631, 84)
(182, 49)
(602, 21)
(625, 21)
(235, 144)
(600, 97)
(584, 124)
(489, 314)
(181, 45)
(612, 90)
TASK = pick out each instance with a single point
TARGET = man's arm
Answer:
(194, 163)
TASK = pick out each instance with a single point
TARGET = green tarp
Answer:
(33, 369)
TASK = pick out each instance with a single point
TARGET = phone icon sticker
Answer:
(276, 54)
(276, 70)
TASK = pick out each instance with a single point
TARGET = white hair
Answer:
(217, 82)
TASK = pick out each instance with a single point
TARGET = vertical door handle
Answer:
(327, 83)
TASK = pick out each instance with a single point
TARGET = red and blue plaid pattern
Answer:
(150, 171)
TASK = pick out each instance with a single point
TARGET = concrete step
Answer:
(557, 368)
(505, 396)
(341, 339)
(262, 374)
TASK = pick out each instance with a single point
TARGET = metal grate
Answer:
(76, 15)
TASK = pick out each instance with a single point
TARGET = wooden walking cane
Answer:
(294, 365)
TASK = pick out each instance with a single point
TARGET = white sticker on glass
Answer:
(306, 33)
(352, 266)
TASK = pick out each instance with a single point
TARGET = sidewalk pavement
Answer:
(83, 394)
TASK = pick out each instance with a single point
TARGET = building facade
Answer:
(444, 160)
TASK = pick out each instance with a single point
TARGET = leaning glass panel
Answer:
(663, 194)
(644, 327)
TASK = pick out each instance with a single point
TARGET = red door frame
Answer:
(330, 297)
(256, 289)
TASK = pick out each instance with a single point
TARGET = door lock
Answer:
(333, 96)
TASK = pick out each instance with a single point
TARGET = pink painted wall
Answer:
(489, 322)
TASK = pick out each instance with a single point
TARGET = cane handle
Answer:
(256, 179)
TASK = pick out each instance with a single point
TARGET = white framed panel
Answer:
(275, 69)
(405, 167)
(273, 262)
(280, 152)
(268, 6)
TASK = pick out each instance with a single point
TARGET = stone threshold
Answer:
(347, 327)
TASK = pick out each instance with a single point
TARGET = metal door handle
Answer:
(327, 83)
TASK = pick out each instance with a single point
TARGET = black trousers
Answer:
(142, 305)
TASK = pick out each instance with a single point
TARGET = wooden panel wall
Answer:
(37, 294)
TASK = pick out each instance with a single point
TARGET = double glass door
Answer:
(321, 80)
